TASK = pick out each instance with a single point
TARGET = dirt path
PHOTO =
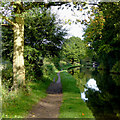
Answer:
(49, 106)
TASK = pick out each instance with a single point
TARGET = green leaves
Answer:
(74, 47)
(102, 33)
(44, 33)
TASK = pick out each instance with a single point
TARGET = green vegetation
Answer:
(103, 37)
(47, 35)
(42, 36)
(28, 70)
(74, 48)
(16, 104)
(72, 105)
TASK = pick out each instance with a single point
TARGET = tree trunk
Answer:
(18, 54)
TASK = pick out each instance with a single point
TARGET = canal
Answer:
(100, 90)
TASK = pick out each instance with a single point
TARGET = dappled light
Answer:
(60, 60)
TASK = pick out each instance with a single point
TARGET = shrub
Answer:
(33, 63)
(116, 67)
(7, 74)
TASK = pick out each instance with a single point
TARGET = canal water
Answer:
(100, 90)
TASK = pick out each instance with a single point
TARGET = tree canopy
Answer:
(74, 48)
(102, 34)
(44, 33)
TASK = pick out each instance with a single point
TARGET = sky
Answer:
(65, 15)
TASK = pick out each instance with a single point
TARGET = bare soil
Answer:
(49, 106)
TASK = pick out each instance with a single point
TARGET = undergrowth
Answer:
(17, 104)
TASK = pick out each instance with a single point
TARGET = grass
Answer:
(17, 105)
(72, 105)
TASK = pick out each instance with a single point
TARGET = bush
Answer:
(7, 75)
(116, 67)
(33, 63)
(49, 70)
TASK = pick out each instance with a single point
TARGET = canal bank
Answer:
(100, 90)
(72, 104)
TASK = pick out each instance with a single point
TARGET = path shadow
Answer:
(55, 87)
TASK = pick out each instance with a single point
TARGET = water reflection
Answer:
(90, 84)
(101, 92)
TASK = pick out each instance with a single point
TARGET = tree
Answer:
(102, 34)
(47, 35)
(7, 43)
(74, 48)
(44, 36)
(19, 11)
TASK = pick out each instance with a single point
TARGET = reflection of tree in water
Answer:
(81, 75)
(105, 103)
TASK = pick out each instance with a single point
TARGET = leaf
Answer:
(69, 23)
(92, 14)
(14, 6)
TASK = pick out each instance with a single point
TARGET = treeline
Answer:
(103, 37)
(43, 38)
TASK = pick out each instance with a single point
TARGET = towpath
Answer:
(49, 107)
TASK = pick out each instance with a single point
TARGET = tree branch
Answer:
(11, 22)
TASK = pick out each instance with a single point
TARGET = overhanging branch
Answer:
(11, 22)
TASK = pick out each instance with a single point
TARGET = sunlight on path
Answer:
(49, 106)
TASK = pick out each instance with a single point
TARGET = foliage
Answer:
(102, 34)
(74, 48)
(43, 32)
(17, 104)
(49, 69)
(18, 10)
(7, 42)
(116, 67)
(56, 61)
(7, 75)
(39, 30)
(65, 65)
(81, 75)
(33, 63)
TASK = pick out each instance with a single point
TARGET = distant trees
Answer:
(74, 48)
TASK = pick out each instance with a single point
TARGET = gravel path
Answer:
(49, 106)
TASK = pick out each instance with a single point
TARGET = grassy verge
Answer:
(17, 105)
(72, 105)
